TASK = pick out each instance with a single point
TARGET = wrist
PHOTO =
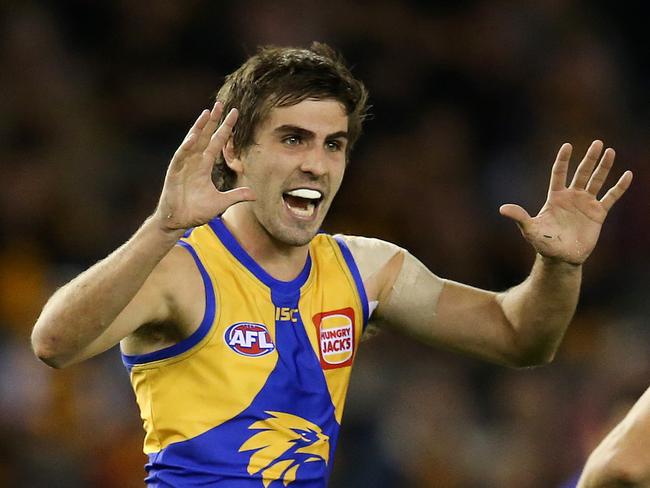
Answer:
(158, 224)
(554, 262)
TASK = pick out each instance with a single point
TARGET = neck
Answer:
(282, 261)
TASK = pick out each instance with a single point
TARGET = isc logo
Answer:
(286, 314)
(249, 339)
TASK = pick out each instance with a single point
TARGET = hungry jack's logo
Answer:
(335, 331)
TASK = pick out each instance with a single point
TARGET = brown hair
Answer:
(285, 76)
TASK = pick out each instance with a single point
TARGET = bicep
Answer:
(153, 303)
(447, 314)
(472, 321)
(415, 301)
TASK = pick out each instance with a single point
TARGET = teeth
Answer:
(303, 212)
(305, 193)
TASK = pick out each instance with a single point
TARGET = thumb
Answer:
(236, 195)
(514, 212)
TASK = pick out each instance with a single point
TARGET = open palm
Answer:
(189, 198)
(568, 225)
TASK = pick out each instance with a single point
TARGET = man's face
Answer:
(295, 167)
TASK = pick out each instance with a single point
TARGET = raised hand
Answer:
(189, 198)
(568, 225)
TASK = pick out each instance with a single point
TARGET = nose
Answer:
(314, 162)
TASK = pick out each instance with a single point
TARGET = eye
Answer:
(333, 145)
(292, 140)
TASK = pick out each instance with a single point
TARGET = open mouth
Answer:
(302, 202)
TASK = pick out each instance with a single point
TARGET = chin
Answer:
(297, 239)
(296, 236)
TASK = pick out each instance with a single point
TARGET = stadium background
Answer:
(471, 102)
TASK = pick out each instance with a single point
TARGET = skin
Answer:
(141, 293)
(622, 459)
(524, 325)
(300, 146)
(144, 293)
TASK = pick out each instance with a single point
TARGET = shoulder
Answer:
(178, 264)
(180, 280)
(370, 254)
(379, 263)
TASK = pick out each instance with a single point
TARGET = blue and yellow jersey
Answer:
(254, 397)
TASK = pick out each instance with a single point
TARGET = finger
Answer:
(221, 136)
(199, 123)
(602, 170)
(586, 166)
(236, 195)
(187, 144)
(514, 212)
(210, 126)
(560, 168)
(617, 191)
(191, 136)
(180, 156)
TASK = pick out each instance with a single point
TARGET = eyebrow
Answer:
(307, 133)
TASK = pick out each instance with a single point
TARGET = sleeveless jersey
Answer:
(254, 397)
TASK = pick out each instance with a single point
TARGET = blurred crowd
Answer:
(471, 100)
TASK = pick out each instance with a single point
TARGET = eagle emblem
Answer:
(285, 442)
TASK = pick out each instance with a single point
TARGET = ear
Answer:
(232, 160)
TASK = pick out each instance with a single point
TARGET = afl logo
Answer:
(249, 339)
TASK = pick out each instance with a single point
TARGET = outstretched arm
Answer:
(523, 325)
(134, 286)
(622, 459)
(563, 233)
